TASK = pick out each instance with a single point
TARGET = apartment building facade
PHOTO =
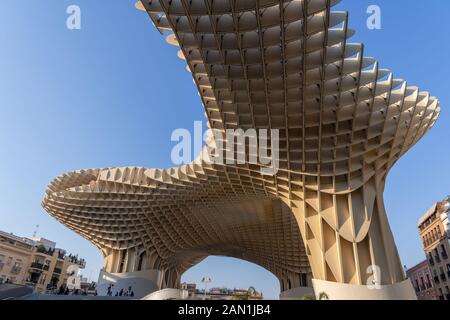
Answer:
(15, 257)
(35, 262)
(434, 232)
(420, 276)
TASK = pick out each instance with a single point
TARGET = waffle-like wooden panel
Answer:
(343, 123)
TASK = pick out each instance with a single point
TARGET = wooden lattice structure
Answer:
(343, 123)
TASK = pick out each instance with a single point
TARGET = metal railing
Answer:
(37, 265)
(44, 250)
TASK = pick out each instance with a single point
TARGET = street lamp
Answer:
(205, 281)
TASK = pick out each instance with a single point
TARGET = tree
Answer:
(322, 296)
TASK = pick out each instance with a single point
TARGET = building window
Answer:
(430, 259)
(436, 255)
(443, 252)
(416, 287)
(17, 267)
(435, 276)
(441, 294)
(443, 277)
(429, 285)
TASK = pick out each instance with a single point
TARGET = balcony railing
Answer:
(40, 266)
(42, 249)
(57, 270)
(444, 255)
(437, 258)
(37, 265)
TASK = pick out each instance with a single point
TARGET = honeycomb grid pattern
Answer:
(343, 122)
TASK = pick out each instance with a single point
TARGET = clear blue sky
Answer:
(103, 96)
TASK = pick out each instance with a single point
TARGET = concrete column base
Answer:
(142, 282)
(167, 294)
(296, 293)
(340, 291)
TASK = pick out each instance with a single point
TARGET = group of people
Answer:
(121, 293)
(64, 290)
